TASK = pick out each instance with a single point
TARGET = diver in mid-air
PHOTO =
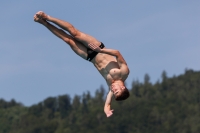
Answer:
(109, 62)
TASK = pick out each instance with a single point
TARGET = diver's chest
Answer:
(115, 73)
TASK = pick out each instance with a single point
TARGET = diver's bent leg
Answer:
(76, 46)
(80, 36)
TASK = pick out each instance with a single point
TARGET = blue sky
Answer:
(151, 35)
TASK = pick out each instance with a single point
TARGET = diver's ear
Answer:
(123, 87)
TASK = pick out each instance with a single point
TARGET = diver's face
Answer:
(117, 89)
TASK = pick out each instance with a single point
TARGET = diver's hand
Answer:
(94, 47)
(109, 113)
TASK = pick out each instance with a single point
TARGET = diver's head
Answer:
(120, 91)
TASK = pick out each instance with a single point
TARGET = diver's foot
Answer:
(42, 15)
(39, 20)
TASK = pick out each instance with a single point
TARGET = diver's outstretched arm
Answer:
(107, 106)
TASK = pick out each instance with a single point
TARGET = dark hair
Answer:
(123, 96)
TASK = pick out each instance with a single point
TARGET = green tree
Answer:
(64, 105)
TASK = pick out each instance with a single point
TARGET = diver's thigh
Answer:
(86, 39)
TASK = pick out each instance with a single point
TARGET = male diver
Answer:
(109, 62)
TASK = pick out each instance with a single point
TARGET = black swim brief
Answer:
(92, 54)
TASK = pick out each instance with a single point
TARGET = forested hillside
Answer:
(171, 105)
